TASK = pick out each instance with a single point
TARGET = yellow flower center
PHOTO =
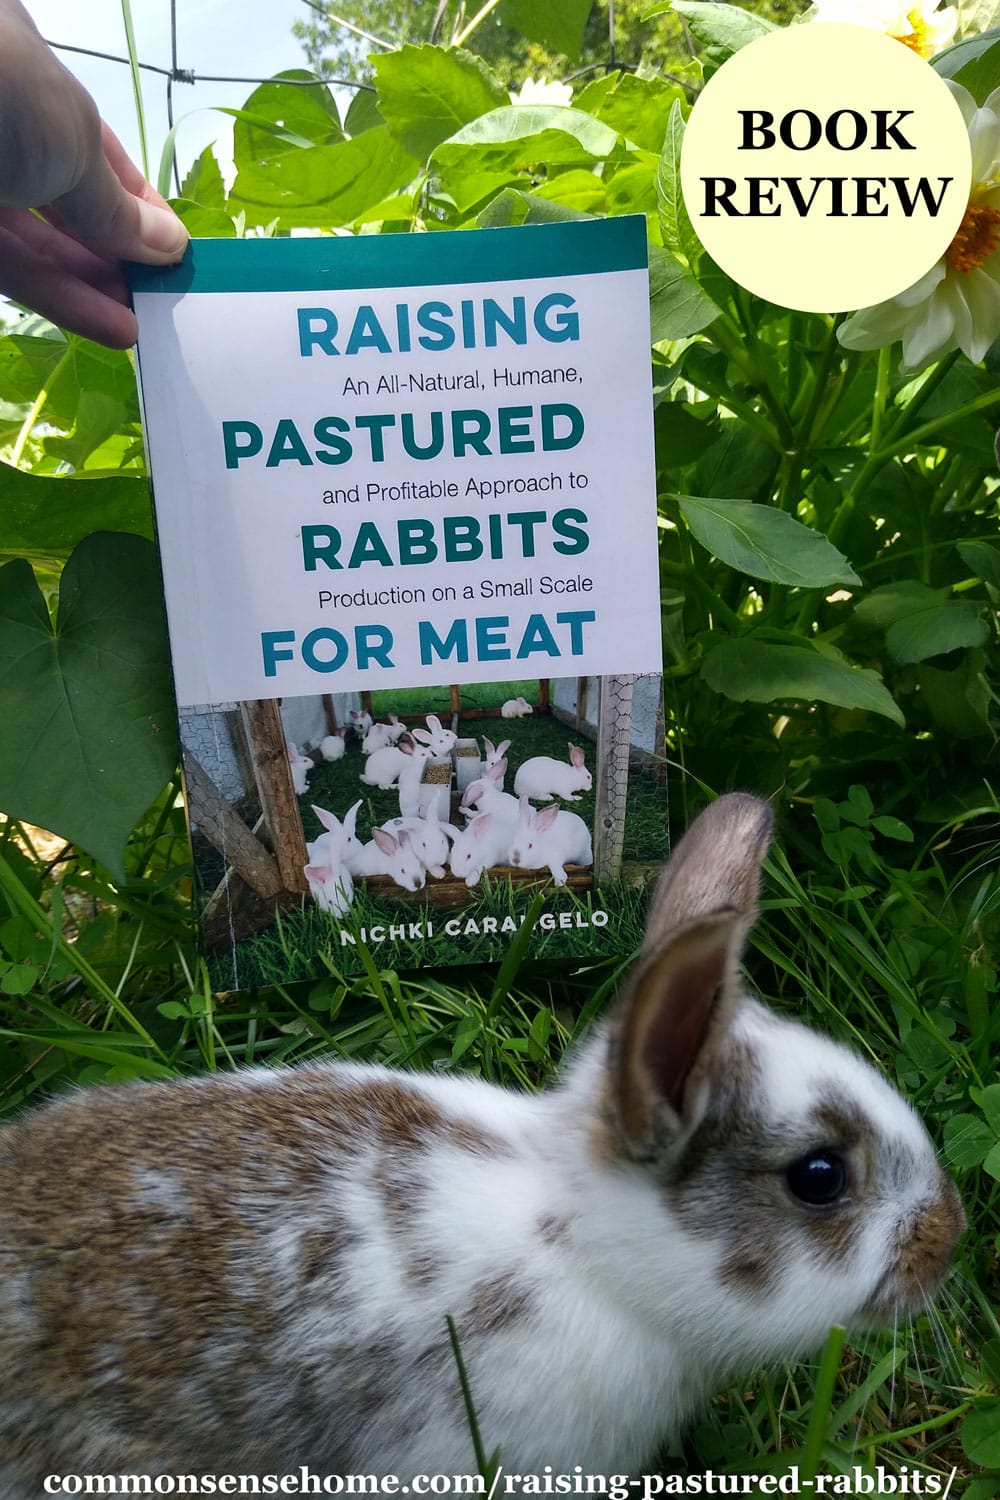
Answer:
(916, 41)
(977, 238)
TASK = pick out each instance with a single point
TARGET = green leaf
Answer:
(981, 1434)
(557, 25)
(937, 630)
(894, 601)
(89, 737)
(762, 672)
(678, 307)
(958, 698)
(577, 189)
(363, 113)
(515, 207)
(638, 108)
(675, 224)
(893, 828)
(981, 75)
(282, 117)
(520, 134)
(426, 94)
(45, 517)
(201, 222)
(991, 1162)
(981, 558)
(990, 1105)
(967, 1139)
(323, 186)
(203, 184)
(765, 542)
(721, 28)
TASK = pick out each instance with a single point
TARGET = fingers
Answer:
(119, 222)
(63, 281)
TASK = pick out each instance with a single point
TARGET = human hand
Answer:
(58, 158)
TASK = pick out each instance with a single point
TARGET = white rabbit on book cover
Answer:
(249, 1272)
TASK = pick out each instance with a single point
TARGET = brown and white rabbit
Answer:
(251, 1272)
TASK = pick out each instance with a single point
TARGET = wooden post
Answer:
(227, 832)
(543, 695)
(614, 737)
(330, 713)
(273, 774)
(581, 701)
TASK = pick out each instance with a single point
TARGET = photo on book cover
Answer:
(423, 843)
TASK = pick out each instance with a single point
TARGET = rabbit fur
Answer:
(251, 1271)
(543, 777)
(550, 839)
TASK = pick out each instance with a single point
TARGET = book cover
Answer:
(405, 503)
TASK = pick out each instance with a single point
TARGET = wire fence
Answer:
(176, 74)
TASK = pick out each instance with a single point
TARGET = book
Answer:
(408, 481)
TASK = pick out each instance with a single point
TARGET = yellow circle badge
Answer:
(826, 167)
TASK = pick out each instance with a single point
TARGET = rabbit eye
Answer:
(819, 1177)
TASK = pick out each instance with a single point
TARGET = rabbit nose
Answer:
(932, 1239)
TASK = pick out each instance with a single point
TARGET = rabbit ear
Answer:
(433, 722)
(546, 817)
(489, 746)
(684, 990)
(715, 866)
(503, 746)
(524, 811)
(351, 818)
(385, 841)
(326, 818)
(676, 1012)
(421, 735)
(481, 826)
(575, 755)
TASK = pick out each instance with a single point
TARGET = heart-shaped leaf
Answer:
(89, 727)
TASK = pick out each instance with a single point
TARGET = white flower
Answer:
(541, 91)
(956, 305)
(920, 26)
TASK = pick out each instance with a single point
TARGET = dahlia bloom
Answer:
(956, 305)
(920, 26)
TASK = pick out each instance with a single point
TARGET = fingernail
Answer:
(162, 232)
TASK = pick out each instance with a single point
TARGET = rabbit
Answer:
(485, 795)
(515, 708)
(428, 837)
(330, 884)
(543, 777)
(553, 838)
(484, 844)
(395, 729)
(361, 722)
(300, 765)
(383, 767)
(495, 754)
(415, 758)
(249, 1272)
(439, 741)
(392, 855)
(377, 737)
(333, 746)
(340, 840)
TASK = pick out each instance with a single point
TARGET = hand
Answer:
(58, 158)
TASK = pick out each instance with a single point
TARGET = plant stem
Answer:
(27, 426)
(881, 397)
(478, 18)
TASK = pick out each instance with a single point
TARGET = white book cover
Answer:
(405, 503)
